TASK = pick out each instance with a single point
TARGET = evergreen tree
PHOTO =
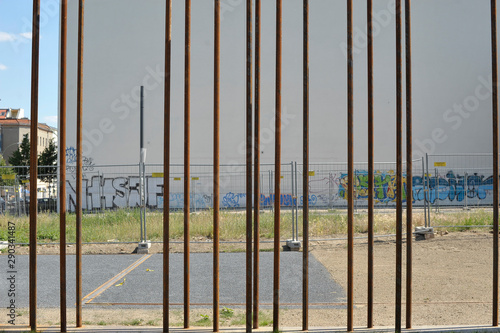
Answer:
(21, 157)
(48, 161)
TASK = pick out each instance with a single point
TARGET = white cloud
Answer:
(2, 67)
(27, 35)
(6, 37)
(51, 120)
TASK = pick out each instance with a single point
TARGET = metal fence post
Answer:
(429, 203)
(437, 189)
(292, 206)
(423, 190)
(466, 190)
(295, 201)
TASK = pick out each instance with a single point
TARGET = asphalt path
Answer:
(143, 280)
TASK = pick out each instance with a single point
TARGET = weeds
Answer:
(226, 312)
(123, 224)
(204, 321)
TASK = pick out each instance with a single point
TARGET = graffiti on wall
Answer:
(331, 191)
(87, 162)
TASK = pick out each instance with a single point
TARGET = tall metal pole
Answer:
(369, 11)
(79, 165)
(249, 107)
(33, 159)
(62, 166)
(305, 168)
(409, 165)
(166, 165)
(256, 201)
(494, 69)
(187, 63)
(350, 172)
(141, 162)
(277, 172)
(216, 160)
(399, 169)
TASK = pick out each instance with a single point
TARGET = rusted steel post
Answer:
(33, 159)
(256, 203)
(216, 160)
(494, 69)
(409, 165)
(350, 171)
(79, 165)
(166, 164)
(249, 169)
(305, 169)
(187, 68)
(399, 169)
(369, 12)
(62, 165)
(277, 173)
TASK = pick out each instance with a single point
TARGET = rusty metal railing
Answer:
(253, 296)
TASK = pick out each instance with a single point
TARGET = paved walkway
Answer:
(143, 280)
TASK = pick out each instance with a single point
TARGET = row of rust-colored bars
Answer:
(252, 290)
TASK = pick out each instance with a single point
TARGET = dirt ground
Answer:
(452, 284)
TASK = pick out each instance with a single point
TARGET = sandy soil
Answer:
(452, 284)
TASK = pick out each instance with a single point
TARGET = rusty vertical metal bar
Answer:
(256, 226)
(494, 70)
(369, 19)
(33, 159)
(79, 165)
(216, 160)
(277, 172)
(399, 169)
(249, 138)
(187, 69)
(305, 168)
(62, 165)
(350, 172)
(166, 164)
(409, 165)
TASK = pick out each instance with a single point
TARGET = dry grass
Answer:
(124, 224)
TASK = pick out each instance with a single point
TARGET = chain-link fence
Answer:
(15, 191)
(459, 180)
(438, 180)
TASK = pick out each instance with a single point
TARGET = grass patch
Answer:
(204, 321)
(124, 224)
(133, 322)
(265, 319)
(239, 319)
(226, 313)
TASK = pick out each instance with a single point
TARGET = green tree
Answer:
(48, 161)
(21, 157)
(5, 171)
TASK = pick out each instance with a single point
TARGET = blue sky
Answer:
(15, 57)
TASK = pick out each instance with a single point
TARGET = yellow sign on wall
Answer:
(157, 174)
(311, 173)
(439, 164)
(177, 178)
